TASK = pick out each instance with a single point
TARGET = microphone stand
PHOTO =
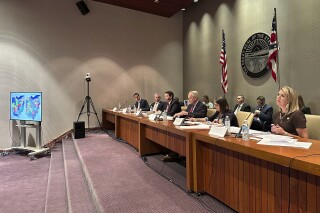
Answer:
(238, 135)
(157, 118)
(122, 105)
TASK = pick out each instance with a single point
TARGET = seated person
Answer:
(157, 105)
(222, 110)
(302, 107)
(262, 115)
(141, 104)
(172, 105)
(196, 109)
(241, 105)
(289, 120)
(207, 102)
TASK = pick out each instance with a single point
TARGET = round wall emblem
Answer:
(254, 56)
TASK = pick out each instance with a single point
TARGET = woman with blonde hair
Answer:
(289, 120)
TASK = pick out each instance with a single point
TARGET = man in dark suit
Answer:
(196, 109)
(241, 105)
(262, 115)
(141, 104)
(172, 105)
(158, 105)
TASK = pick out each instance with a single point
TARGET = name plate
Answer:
(218, 131)
(152, 117)
(178, 121)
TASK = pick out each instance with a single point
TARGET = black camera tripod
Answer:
(87, 102)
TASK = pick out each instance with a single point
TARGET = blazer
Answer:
(173, 108)
(265, 113)
(144, 106)
(245, 107)
(161, 106)
(199, 110)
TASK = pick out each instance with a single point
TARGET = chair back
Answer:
(210, 112)
(313, 126)
(241, 116)
(183, 108)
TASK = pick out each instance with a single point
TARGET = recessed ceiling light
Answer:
(195, 0)
(183, 9)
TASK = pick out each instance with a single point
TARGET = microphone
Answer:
(122, 105)
(238, 135)
(157, 118)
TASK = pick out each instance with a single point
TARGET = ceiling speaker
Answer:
(83, 7)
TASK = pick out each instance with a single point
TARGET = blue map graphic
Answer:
(26, 106)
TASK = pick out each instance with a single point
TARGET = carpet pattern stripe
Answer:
(79, 197)
(57, 200)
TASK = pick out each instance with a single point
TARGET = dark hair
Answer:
(301, 102)
(261, 98)
(136, 94)
(206, 97)
(223, 103)
(170, 93)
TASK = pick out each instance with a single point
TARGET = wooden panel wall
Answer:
(248, 184)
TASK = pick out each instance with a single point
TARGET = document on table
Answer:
(280, 140)
(195, 126)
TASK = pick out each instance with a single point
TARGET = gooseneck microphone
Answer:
(238, 135)
(123, 105)
(157, 118)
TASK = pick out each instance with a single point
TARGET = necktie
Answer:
(192, 108)
(167, 106)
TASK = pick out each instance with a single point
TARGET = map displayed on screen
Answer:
(26, 106)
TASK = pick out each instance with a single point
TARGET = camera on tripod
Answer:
(88, 77)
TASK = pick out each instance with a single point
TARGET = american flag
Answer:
(273, 49)
(223, 61)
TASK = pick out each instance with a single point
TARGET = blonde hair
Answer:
(292, 96)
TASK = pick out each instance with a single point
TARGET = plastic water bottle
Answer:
(119, 106)
(245, 130)
(134, 109)
(227, 123)
(151, 109)
(164, 116)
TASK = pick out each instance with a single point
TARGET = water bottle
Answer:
(134, 109)
(119, 106)
(151, 109)
(164, 116)
(245, 130)
(227, 123)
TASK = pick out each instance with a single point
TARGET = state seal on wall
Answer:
(254, 56)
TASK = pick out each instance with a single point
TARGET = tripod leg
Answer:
(94, 111)
(84, 103)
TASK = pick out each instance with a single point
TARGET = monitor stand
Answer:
(23, 140)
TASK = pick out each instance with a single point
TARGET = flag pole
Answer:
(276, 28)
(224, 94)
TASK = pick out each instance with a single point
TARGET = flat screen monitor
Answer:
(26, 106)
